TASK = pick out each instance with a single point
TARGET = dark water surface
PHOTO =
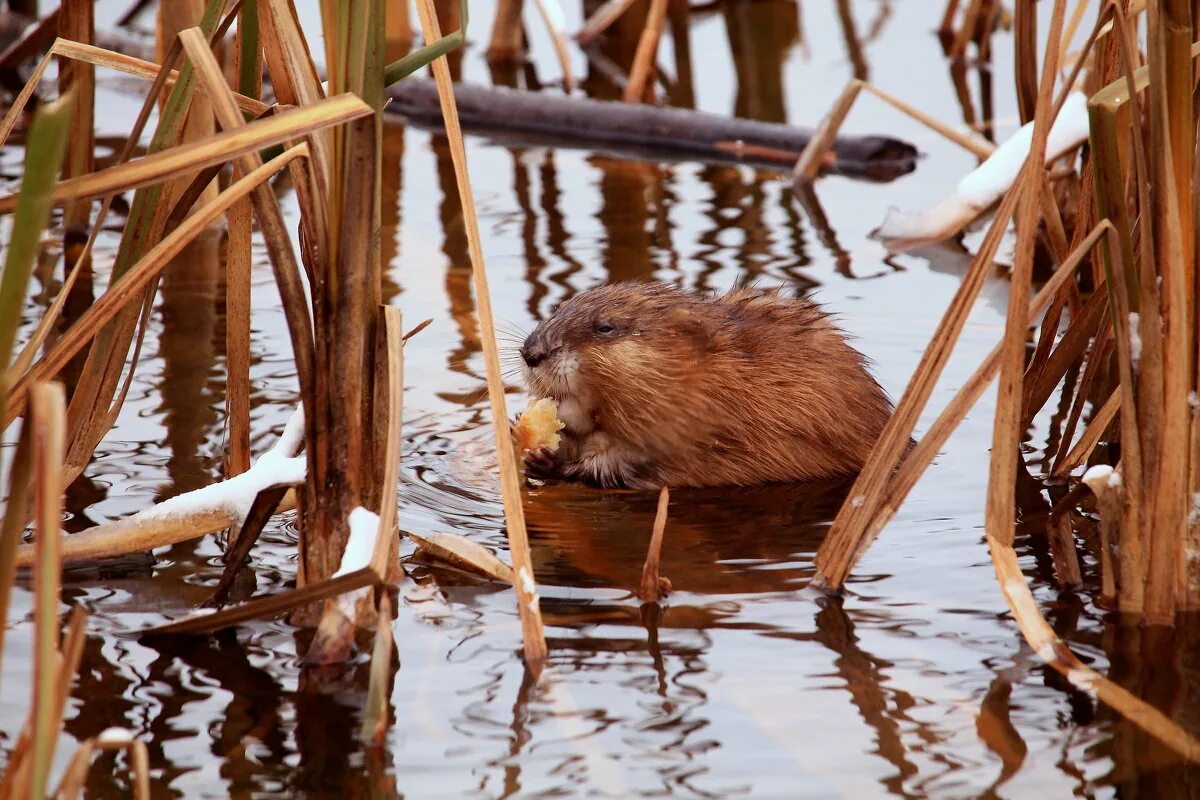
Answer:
(919, 684)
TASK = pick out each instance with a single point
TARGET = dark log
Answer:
(656, 133)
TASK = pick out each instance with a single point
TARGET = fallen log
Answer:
(652, 132)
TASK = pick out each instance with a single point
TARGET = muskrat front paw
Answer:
(542, 464)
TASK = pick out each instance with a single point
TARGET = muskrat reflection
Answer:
(717, 541)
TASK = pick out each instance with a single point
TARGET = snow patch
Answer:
(988, 182)
(364, 530)
(1102, 476)
(279, 465)
(115, 737)
(1135, 338)
(1082, 679)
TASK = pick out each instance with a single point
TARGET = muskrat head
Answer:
(627, 338)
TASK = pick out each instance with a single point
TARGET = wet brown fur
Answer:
(688, 390)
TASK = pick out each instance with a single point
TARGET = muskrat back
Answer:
(660, 386)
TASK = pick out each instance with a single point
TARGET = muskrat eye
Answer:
(604, 329)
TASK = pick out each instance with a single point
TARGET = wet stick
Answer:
(650, 589)
(528, 606)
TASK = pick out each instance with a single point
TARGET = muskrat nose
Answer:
(532, 354)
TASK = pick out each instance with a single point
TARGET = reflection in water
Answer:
(739, 683)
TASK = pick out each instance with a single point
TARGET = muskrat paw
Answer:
(542, 464)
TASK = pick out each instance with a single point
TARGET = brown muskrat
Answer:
(660, 386)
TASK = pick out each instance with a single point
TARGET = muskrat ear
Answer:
(699, 329)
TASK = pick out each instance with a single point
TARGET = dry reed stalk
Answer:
(1172, 137)
(559, 39)
(172, 18)
(1038, 386)
(640, 73)
(123, 291)
(921, 456)
(220, 148)
(334, 637)
(12, 524)
(47, 407)
(1008, 423)
(971, 142)
(817, 153)
(507, 41)
(528, 605)
(137, 67)
(1062, 550)
(651, 587)
(1025, 47)
(809, 164)
(248, 72)
(1097, 360)
(1000, 507)
(70, 785)
(849, 537)
(601, 19)
(384, 558)
(76, 21)
(969, 29)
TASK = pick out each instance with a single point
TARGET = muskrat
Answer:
(662, 387)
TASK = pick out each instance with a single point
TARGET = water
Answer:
(740, 684)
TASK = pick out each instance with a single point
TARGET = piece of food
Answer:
(539, 426)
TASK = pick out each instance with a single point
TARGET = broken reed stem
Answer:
(650, 588)
(809, 164)
(643, 60)
(528, 604)
(375, 713)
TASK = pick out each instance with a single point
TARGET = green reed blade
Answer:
(43, 157)
(419, 58)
